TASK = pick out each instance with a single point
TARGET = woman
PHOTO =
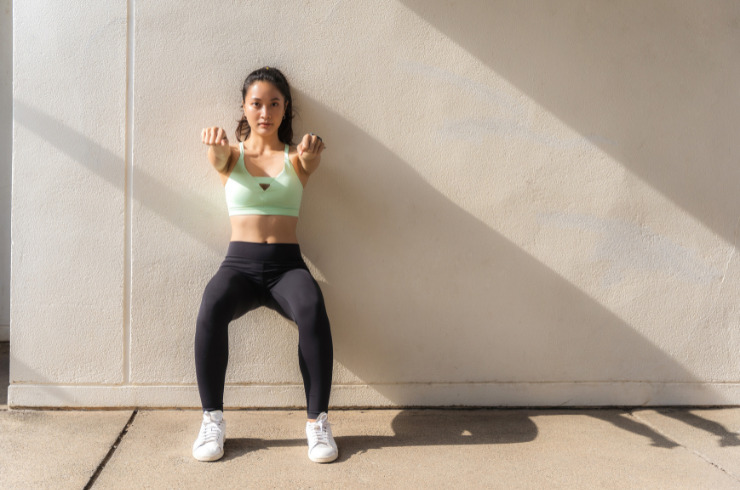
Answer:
(263, 178)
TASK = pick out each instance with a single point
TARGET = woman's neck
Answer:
(256, 144)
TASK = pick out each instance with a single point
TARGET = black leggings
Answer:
(272, 275)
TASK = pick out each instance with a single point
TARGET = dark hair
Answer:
(275, 77)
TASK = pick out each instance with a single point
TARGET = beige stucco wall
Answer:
(521, 203)
(6, 127)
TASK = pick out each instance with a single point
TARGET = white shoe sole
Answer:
(215, 457)
(323, 460)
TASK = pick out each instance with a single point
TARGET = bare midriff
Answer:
(264, 228)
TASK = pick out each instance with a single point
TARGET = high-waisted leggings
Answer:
(272, 275)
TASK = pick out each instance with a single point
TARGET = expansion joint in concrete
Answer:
(678, 444)
(112, 450)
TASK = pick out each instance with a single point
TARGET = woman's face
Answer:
(264, 107)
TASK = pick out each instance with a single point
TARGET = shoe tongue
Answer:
(216, 416)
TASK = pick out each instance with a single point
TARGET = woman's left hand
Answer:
(309, 149)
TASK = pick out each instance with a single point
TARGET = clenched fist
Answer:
(214, 136)
(218, 145)
(310, 148)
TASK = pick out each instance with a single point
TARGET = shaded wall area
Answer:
(6, 148)
(511, 209)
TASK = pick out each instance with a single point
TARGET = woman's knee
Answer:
(308, 302)
(299, 293)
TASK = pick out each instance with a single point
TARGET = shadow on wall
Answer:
(658, 79)
(59, 393)
(418, 290)
(184, 210)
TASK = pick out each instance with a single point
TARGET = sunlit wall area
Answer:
(68, 206)
(520, 203)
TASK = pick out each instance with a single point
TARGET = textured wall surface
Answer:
(6, 127)
(68, 205)
(521, 203)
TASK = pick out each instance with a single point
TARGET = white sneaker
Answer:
(209, 446)
(321, 445)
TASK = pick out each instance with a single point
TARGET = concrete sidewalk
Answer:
(590, 448)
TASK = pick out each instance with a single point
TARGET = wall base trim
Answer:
(574, 394)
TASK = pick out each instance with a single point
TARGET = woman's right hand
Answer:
(218, 146)
(214, 136)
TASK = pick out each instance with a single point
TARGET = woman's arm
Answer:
(309, 152)
(219, 151)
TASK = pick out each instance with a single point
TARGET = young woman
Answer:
(263, 178)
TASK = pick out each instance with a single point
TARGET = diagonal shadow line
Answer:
(520, 276)
(449, 291)
(653, 85)
(186, 211)
(415, 278)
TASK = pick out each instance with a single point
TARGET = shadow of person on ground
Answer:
(434, 427)
(726, 437)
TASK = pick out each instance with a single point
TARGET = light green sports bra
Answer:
(244, 195)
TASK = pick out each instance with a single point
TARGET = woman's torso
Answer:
(256, 227)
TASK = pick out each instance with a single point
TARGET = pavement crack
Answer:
(112, 450)
(678, 444)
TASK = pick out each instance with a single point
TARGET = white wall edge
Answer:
(4, 333)
(385, 396)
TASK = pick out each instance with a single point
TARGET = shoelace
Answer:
(209, 432)
(319, 433)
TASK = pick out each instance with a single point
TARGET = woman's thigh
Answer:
(229, 295)
(299, 296)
